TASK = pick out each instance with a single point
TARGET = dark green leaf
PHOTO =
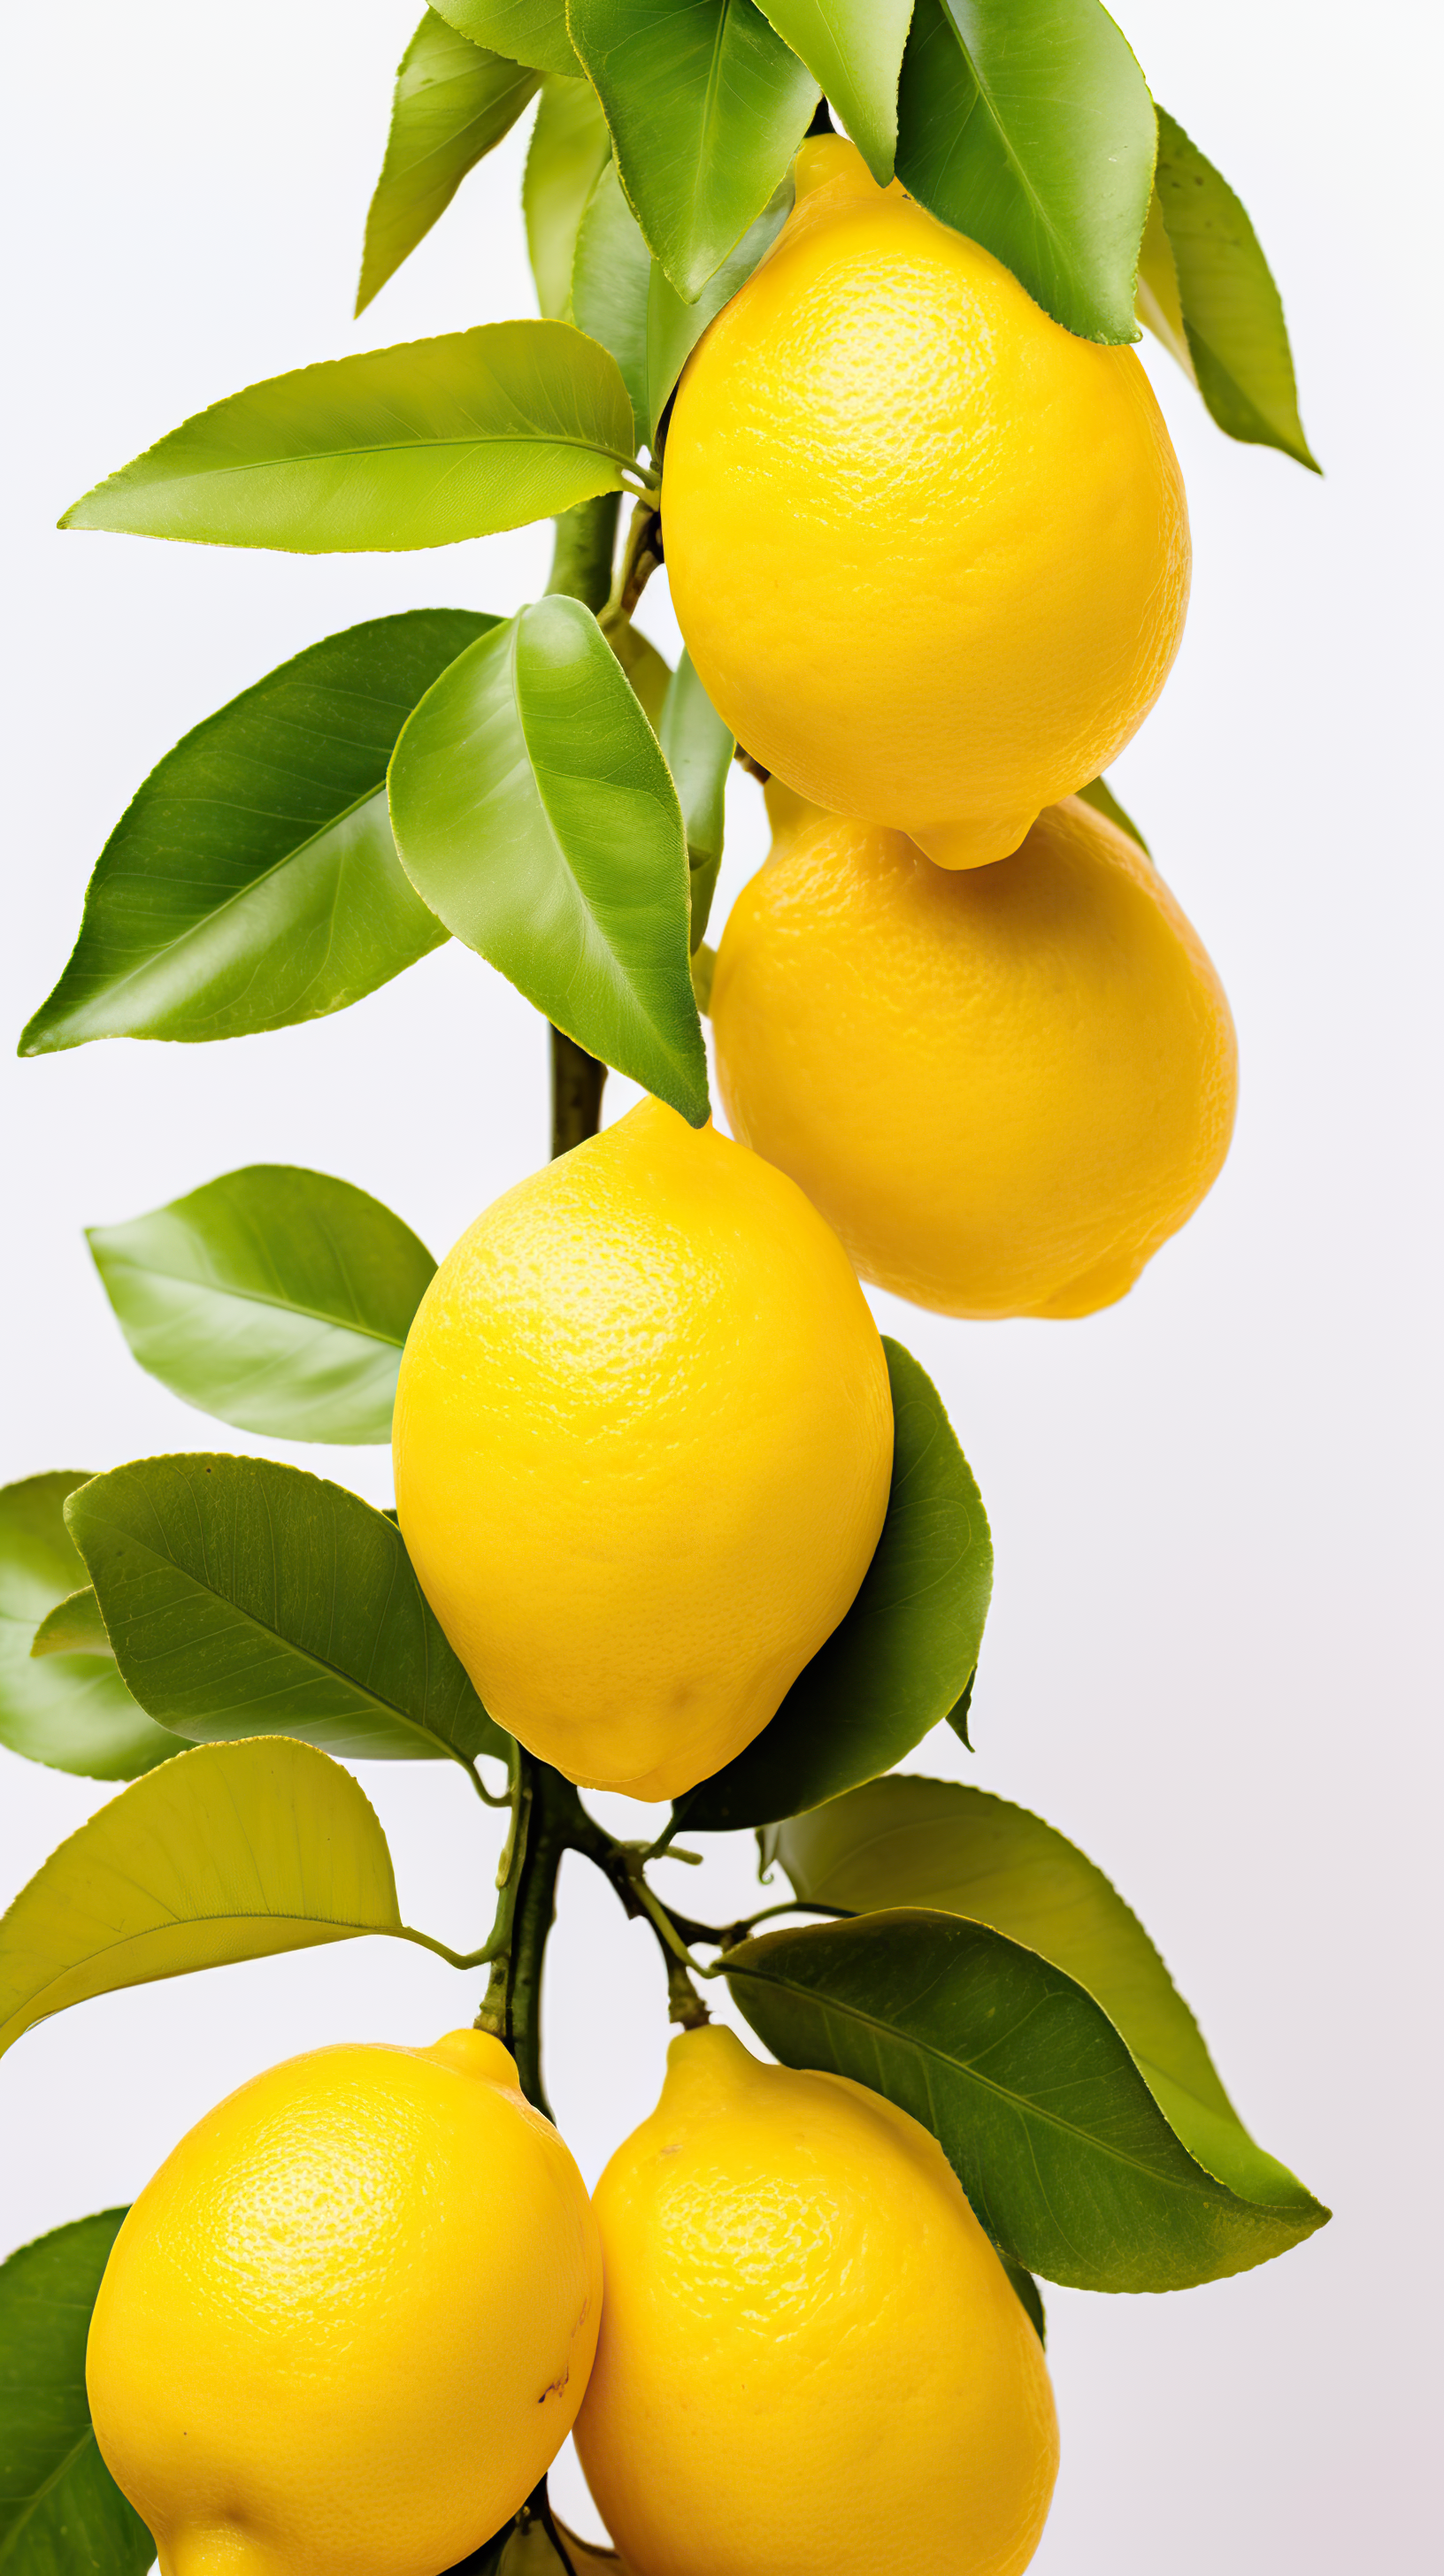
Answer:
(1032, 130)
(674, 327)
(1100, 796)
(61, 2512)
(253, 882)
(244, 1598)
(278, 1299)
(74, 1627)
(1231, 309)
(420, 445)
(453, 104)
(1060, 2146)
(611, 276)
(698, 750)
(534, 813)
(570, 147)
(706, 107)
(899, 1660)
(68, 1709)
(235, 1851)
(531, 31)
(957, 1717)
(854, 48)
(959, 1851)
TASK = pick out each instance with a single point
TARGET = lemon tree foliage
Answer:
(901, 1659)
(1035, 2098)
(854, 50)
(706, 107)
(569, 148)
(420, 445)
(74, 1627)
(533, 31)
(277, 1299)
(675, 326)
(230, 1852)
(67, 1705)
(246, 1598)
(253, 881)
(454, 102)
(61, 2512)
(611, 276)
(698, 750)
(1032, 130)
(957, 1850)
(535, 815)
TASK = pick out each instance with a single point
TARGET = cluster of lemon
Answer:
(930, 555)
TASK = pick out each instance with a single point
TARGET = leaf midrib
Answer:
(256, 1297)
(382, 447)
(1056, 237)
(33, 2503)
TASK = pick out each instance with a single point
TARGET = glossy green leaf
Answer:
(245, 1598)
(1231, 310)
(611, 277)
(1060, 2146)
(74, 1627)
(61, 2512)
(253, 881)
(454, 102)
(534, 813)
(674, 327)
(900, 1659)
(1100, 796)
(278, 1299)
(1156, 300)
(68, 1708)
(698, 750)
(1032, 131)
(957, 1850)
(233, 1851)
(707, 107)
(420, 445)
(854, 49)
(650, 675)
(531, 31)
(570, 147)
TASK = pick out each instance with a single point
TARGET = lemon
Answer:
(348, 2324)
(1004, 1088)
(811, 2360)
(928, 551)
(643, 1438)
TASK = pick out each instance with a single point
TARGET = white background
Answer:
(1213, 1506)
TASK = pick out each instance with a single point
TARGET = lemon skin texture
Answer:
(347, 2326)
(811, 2361)
(929, 551)
(642, 1440)
(1005, 1087)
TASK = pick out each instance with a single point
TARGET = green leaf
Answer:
(650, 676)
(674, 327)
(278, 1299)
(1032, 130)
(1100, 796)
(244, 1598)
(1060, 2146)
(706, 107)
(1155, 300)
(704, 967)
(854, 48)
(453, 104)
(900, 1659)
(1231, 309)
(61, 2512)
(74, 1626)
(698, 749)
(534, 813)
(959, 1851)
(253, 882)
(235, 1851)
(570, 147)
(1029, 2293)
(420, 445)
(531, 31)
(611, 277)
(68, 1709)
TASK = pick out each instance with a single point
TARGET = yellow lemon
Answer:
(347, 2326)
(643, 1438)
(1005, 1088)
(929, 552)
(811, 2360)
